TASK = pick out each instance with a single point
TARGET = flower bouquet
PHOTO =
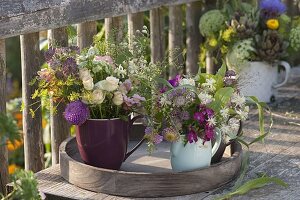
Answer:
(253, 39)
(101, 86)
(192, 111)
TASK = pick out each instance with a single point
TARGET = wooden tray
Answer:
(144, 175)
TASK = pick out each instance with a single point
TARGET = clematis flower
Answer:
(192, 136)
(175, 81)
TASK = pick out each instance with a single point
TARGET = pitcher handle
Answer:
(287, 73)
(140, 142)
(217, 143)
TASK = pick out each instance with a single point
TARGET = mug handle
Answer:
(140, 142)
(287, 73)
(217, 143)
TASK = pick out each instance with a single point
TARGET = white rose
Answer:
(98, 96)
(84, 73)
(186, 81)
(118, 98)
(88, 83)
(109, 84)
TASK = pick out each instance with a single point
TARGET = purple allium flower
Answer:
(54, 63)
(76, 113)
(175, 81)
(192, 136)
(148, 130)
(70, 67)
(158, 139)
(271, 8)
(200, 117)
(49, 54)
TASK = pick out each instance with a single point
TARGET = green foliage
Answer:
(254, 184)
(24, 187)
(8, 129)
(222, 97)
(211, 23)
(295, 38)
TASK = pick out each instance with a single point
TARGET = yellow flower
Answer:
(12, 168)
(213, 42)
(227, 34)
(273, 24)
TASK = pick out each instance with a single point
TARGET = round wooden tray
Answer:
(144, 175)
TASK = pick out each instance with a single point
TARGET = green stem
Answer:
(101, 116)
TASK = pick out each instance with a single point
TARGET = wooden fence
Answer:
(27, 17)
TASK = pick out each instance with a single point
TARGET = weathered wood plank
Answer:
(144, 175)
(60, 130)
(24, 16)
(193, 36)
(114, 29)
(32, 127)
(135, 22)
(175, 40)
(3, 149)
(85, 34)
(157, 42)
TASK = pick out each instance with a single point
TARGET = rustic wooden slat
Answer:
(193, 36)
(85, 33)
(24, 16)
(144, 175)
(32, 127)
(60, 130)
(209, 63)
(135, 22)
(114, 29)
(175, 40)
(157, 42)
(3, 149)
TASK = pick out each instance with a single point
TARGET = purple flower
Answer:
(200, 117)
(49, 54)
(185, 115)
(148, 130)
(209, 132)
(137, 99)
(163, 89)
(209, 112)
(175, 82)
(76, 113)
(192, 136)
(158, 139)
(70, 67)
(271, 8)
(127, 83)
(128, 101)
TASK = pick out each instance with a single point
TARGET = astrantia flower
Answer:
(192, 136)
(170, 135)
(76, 113)
(224, 113)
(271, 8)
(185, 115)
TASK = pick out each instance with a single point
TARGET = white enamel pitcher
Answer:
(260, 79)
(193, 156)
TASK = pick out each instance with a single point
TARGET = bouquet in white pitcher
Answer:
(195, 108)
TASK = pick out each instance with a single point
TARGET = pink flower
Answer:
(106, 59)
(158, 139)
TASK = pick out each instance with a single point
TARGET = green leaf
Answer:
(164, 82)
(222, 71)
(222, 97)
(254, 184)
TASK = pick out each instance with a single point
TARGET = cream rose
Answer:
(118, 98)
(98, 96)
(84, 73)
(109, 84)
(88, 83)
